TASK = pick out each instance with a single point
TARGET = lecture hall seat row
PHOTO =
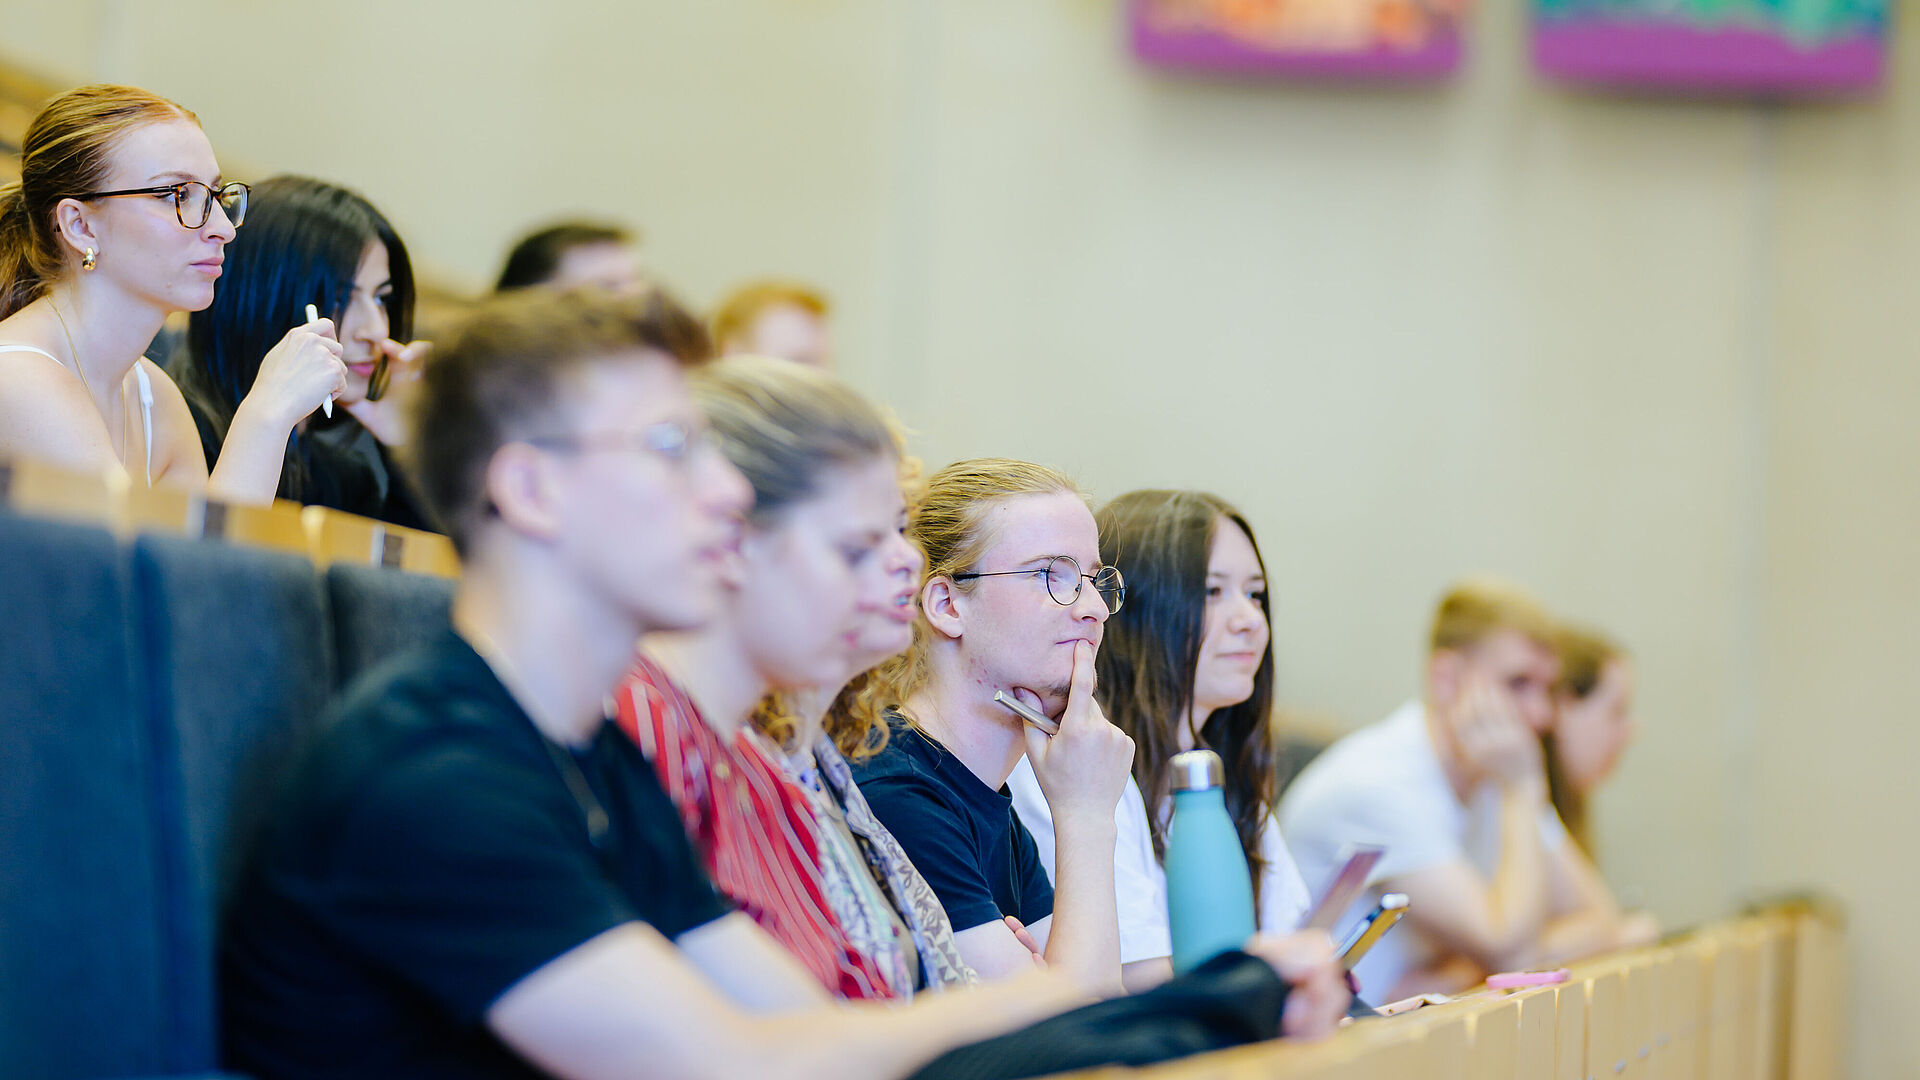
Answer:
(1755, 997)
(323, 535)
(160, 657)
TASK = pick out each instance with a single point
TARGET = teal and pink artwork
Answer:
(1338, 39)
(1736, 46)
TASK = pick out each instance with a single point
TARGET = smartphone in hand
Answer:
(1372, 928)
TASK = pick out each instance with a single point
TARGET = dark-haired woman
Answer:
(311, 242)
(1187, 663)
(120, 218)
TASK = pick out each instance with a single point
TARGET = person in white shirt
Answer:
(1187, 663)
(1455, 789)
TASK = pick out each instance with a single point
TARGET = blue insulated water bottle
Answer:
(1209, 894)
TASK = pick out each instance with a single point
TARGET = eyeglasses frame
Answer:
(1119, 592)
(179, 208)
(681, 450)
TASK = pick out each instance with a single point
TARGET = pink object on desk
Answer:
(1513, 980)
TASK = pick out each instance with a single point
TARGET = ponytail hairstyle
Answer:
(1147, 662)
(302, 245)
(66, 154)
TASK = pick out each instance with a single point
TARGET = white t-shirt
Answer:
(1384, 785)
(1140, 882)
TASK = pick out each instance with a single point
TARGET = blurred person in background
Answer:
(1593, 723)
(574, 253)
(775, 318)
(1453, 785)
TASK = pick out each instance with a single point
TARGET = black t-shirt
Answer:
(962, 835)
(426, 855)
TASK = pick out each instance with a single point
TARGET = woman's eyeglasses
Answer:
(192, 200)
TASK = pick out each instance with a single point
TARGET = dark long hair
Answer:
(301, 245)
(1161, 540)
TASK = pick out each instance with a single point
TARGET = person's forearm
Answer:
(1140, 976)
(251, 458)
(1578, 936)
(1447, 975)
(750, 968)
(1519, 894)
(1585, 919)
(1577, 889)
(875, 1041)
(1085, 939)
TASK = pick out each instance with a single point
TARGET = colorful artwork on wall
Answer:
(1357, 39)
(1748, 46)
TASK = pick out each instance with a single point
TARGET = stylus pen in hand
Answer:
(313, 316)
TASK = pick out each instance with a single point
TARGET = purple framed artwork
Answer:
(1728, 46)
(1336, 39)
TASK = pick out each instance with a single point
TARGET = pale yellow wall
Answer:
(1646, 356)
(1834, 791)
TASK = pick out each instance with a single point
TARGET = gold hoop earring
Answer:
(87, 261)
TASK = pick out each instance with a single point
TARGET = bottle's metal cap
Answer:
(1197, 770)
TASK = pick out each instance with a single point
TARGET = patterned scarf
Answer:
(756, 830)
(909, 893)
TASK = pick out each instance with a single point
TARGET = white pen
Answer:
(313, 316)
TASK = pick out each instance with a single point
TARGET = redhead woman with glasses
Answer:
(120, 219)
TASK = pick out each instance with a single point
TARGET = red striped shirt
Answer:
(753, 827)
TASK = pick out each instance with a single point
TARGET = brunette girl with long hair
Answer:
(1187, 663)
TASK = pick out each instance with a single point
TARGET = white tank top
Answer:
(146, 396)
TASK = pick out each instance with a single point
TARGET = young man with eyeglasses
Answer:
(1015, 601)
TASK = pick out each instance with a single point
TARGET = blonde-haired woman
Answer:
(813, 594)
(119, 219)
(822, 730)
(1015, 600)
